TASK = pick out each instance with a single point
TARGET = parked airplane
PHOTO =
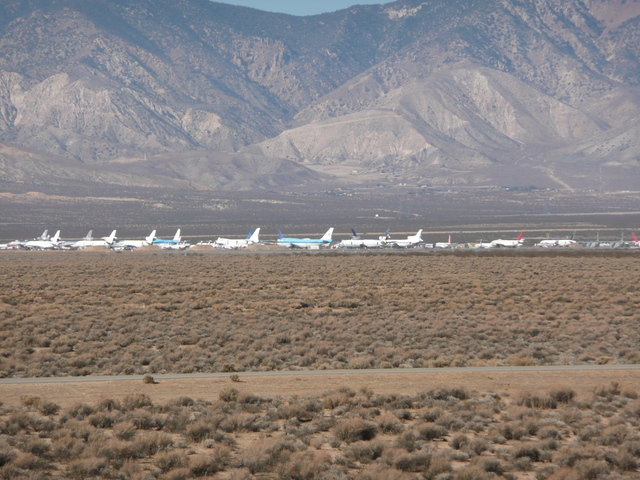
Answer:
(174, 246)
(444, 244)
(509, 243)
(558, 242)
(305, 242)
(251, 239)
(22, 243)
(39, 244)
(174, 241)
(130, 244)
(356, 242)
(620, 243)
(481, 244)
(89, 241)
(593, 244)
(411, 241)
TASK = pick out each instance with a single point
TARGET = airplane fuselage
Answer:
(362, 243)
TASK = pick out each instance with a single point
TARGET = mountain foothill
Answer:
(194, 94)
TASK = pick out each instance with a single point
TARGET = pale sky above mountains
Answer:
(302, 7)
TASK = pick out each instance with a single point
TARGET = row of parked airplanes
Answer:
(45, 242)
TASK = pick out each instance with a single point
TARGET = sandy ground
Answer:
(69, 393)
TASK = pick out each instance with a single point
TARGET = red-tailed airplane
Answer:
(509, 243)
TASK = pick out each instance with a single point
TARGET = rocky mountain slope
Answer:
(207, 95)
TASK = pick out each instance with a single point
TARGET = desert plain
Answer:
(148, 313)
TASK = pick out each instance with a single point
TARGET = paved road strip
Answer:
(386, 371)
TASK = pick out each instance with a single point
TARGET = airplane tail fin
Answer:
(635, 239)
(250, 234)
(111, 238)
(327, 236)
(151, 237)
(449, 242)
(56, 237)
(419, 235)
(45, 235)
(521, 236)
(386, 235)
(89, 235)
(354, 235)
(176, 237)
(280, 236)
(255, 236)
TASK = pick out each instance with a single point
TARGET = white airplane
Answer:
(174, 246)
(40, 244)
(131, 244)
(557, 243)
(89, 241)
(509, 243)
(17, 244)
(480, 244)
(447, 244)
(356, 242)
(411, 241)
(251, 239)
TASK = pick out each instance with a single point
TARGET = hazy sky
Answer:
(302, 7)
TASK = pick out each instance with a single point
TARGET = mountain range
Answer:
(199, 94)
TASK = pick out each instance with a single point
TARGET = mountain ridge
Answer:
(431, 92)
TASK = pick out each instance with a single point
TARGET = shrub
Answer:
(108, 405)
(364, 452)
(169, 461)
(388, 423)
(6, 455)
(29, 461)
(562, 394)
(137, 400)
(80, 411)
(459, 441)
(490, 464)
(531, 400)
(229, 395)
(150, 443)
(444, 393)
(48, 408)
(431, 431)
(86, 468)
(305, 466)
(408, 441)
(264, 454)
(471, 473)
(530, 451)
(355, 429)
(439, 465)
(591, 469)
(413, 462)
(199, 431)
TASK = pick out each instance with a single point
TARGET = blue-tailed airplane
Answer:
(305, 242)
(174, 241)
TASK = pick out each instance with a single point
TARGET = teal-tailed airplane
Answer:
(305, 242)
(174, 241)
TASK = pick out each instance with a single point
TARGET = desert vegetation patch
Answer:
(444, 433)
(71, 314)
